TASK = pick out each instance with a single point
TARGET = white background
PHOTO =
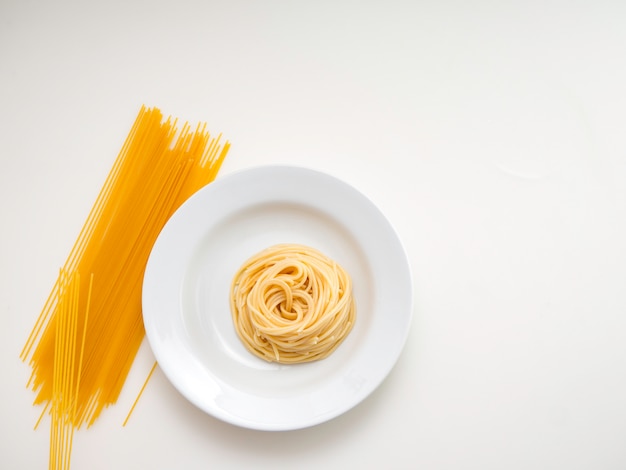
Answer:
(491, 134)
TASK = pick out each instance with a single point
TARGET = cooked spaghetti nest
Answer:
(292, 304)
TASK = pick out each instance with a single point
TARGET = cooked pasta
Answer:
(292, 304)
(159, 166)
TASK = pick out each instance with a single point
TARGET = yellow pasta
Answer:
(68, 359)
(292, 304)
(159, 166)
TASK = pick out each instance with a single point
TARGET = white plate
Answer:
(186, 296)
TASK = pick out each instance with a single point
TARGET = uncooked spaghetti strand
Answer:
(75, 420)
(143, 387)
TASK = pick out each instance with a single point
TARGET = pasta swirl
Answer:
(292, 304)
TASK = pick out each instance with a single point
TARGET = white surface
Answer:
(186, 288)
(491, 134)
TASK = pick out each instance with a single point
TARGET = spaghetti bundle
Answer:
(292, 304)
(159, 166)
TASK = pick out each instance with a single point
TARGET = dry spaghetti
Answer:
(80, 366)
(292, 304)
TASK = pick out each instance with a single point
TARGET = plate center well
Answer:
(206, 289)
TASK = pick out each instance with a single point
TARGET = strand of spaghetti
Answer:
(62, 370)
(82, 351)
(63, 376)
(143, 387)
(71, 338)
(65, 372)
(90, 405)
(60, 367)
(55, 381)
(68, 351)
(41, 415)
